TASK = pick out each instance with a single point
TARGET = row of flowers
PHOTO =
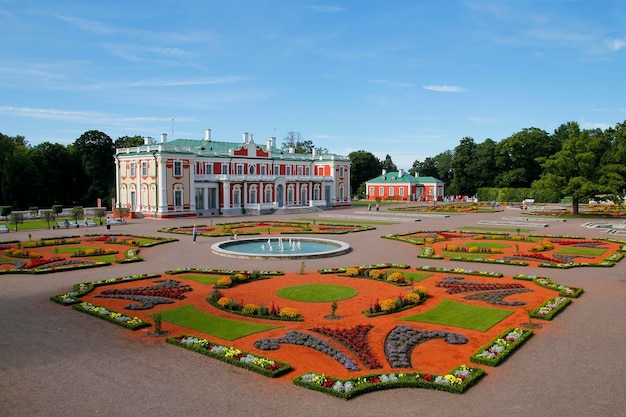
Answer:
(355, 339)
(549, 309)
(274, 312)
(362, 268)
(94, 252)
(403, 302)
(456, 381)
(294, 337)
(79, 290)
(149, 296)
(455, 285)
(142, 241)
(213, 271)
(55, 265)
(132, 323)
(545, 282)
(500, 348)
(21, 253)
(460, 271)
(402, 340)
(262, 365)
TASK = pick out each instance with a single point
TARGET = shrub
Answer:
(224, 282)
(250, 309)
(224, 302)
(388, 305)
(377, 274)
(396, 277)
(352, 272)
(289, 312)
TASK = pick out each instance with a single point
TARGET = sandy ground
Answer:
(56, 362)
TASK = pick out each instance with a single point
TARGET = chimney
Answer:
(292, 149)
(245, 137)
(314, 152)
(269, 144)
(163, 137)
(417, 174)
(207, 135)
(146, 140)
(400, 173)
(384, 171)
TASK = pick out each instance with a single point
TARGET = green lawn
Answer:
(190, 317)
(411, 276)
(569, 250)
(203, 279)
(317, 293)
(467, 316)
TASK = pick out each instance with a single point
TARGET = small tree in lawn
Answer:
(48, 216)
(17, 218)
(77, 213)
(333, 308)
(5, 211)
(100, 212)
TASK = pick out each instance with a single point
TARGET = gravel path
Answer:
(56, 362)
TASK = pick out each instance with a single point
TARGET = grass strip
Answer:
(466, 316)
(190, 317)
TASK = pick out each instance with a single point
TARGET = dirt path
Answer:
(55, 362)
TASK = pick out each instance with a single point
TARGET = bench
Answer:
(64, 225)
(4, 229)
(90, 223)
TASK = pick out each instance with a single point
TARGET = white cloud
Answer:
(444, 88)
(617, 44)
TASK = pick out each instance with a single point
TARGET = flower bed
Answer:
(132, 323)
(149, 296)
(500, 348)
(460, 271)
(564, 291)
(216, 299)
(73, 297)
(455, 285)
(355, 339)
(456, 381)
(549, 309)
(388, 306)
(401, 341)
(242, 359)
(294, 337)
(362, 268)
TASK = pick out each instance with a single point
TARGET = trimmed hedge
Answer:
(487, 355)
(352, 387)
(262, 365)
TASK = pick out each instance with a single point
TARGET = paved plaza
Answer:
(57, 362)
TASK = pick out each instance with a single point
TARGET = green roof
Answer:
(394, 177)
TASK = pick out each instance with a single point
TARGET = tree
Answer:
(95, 150)
(77, 213)
(464, 181)
(128, 141)
(388, 164)
(575, 170)
(516, 157)
(17, 218)
(364, 166)
(48, 216)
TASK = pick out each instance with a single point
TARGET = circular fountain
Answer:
(280, 248)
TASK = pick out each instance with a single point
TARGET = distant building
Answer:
(186, 177)
(401, 186)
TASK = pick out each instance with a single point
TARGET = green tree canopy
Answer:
(363, 167)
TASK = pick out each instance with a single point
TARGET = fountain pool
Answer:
(280, 248)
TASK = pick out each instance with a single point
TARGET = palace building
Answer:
(401, 186)
(201, 178)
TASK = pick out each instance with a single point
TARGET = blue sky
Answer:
(404, 78)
